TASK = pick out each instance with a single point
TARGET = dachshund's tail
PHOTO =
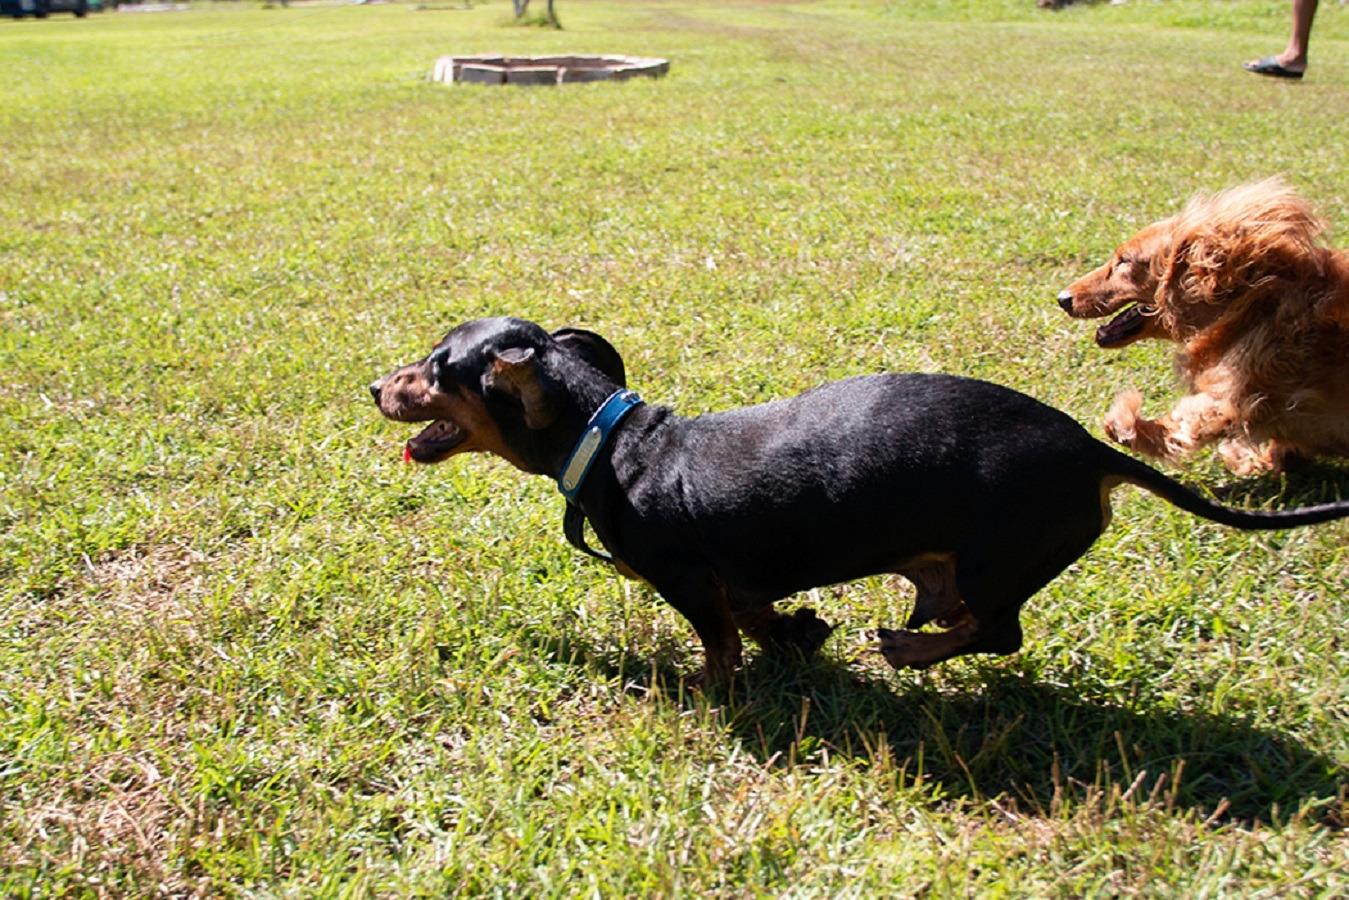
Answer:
(1128, 469)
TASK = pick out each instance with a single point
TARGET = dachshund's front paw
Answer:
(702, 682)
(718, 672)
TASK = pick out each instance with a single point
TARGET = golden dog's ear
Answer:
(1212, 275)
(1170, 269)
(1193, 271)
(515, 372)
(1227, 262)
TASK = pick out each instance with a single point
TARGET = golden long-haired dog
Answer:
(1260, 309)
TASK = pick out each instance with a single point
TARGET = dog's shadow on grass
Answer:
(1009, 738)
(1319, 481)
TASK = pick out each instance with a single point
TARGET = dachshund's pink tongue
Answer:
(407, 453)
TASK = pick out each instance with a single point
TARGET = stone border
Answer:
(489, 69)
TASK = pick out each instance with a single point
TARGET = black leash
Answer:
(573, 527)
(593, 439)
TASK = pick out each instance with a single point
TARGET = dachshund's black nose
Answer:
(375, 388)
(1066, 300)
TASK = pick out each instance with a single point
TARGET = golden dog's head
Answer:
(1220, 256)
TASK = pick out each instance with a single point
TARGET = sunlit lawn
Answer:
(244, 649)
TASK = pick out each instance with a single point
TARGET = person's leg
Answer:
(1294, 56)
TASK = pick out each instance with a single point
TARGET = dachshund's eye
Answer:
(1124, 263)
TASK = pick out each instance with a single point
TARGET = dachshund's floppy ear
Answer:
(515, 371)
(595, 350)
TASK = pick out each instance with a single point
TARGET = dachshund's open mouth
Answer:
(1123, 328)
(434, 442)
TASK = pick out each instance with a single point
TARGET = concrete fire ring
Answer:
(492, 69)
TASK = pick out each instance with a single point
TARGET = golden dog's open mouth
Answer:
(434, 442)
(1123, 328)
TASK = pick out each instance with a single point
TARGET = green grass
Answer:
(244, 650)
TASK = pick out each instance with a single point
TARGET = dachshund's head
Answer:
(1216, 259)
(503, 386)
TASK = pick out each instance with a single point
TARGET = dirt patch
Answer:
(150, 580)
(113, 822)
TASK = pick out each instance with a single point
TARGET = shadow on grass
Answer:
(1008, 737)
(1313, 482)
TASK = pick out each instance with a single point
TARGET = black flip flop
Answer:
(1270, 66)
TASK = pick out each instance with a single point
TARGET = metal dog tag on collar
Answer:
(582, 456)
(602, 424)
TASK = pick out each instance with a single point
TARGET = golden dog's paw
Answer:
(1244, 459)
(1121, 422)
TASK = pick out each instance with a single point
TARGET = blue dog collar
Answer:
(602, 424)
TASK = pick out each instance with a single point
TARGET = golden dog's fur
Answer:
(1260, 309)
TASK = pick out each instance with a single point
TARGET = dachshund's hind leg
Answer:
(992, 579)
(919, 649)
(938, 597)
(938, 600)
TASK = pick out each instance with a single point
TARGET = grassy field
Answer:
(244, 650)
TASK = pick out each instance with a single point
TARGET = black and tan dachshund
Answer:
(977, 494)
